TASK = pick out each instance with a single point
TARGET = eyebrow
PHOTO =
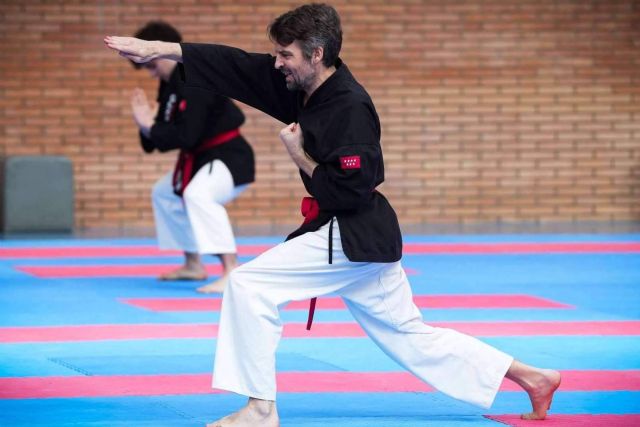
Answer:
(284, 52)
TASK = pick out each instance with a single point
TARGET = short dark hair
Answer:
(313, 25)
(157, 30)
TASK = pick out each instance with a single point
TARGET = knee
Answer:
(194, 196)
(240, 281)
(236, 276)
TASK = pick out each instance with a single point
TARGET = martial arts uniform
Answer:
(350, 246)
(215, 164)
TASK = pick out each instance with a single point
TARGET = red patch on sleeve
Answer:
(350, 162)
(183, 105)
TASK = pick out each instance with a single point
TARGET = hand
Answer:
(143, 113)
(136, 50)
(293, 140)
(291, 136)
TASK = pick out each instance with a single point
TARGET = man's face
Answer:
(160, 68)
(298, 70)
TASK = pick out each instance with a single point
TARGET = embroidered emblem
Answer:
(350, 162)
(169, 107)
(183, 105)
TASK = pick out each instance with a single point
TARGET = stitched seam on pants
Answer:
(384, 299)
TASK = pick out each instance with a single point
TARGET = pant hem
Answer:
(487, 402)
(244, 392)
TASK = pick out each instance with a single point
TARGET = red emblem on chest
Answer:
(183, 105)
(350, 162)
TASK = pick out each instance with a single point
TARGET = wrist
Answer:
(167, 50)
(304, 162)
(146, 131)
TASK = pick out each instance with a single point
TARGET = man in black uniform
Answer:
(214, 166)
(350, 242)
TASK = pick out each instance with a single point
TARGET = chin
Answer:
(293, 86)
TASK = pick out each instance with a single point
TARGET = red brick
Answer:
(491, 111)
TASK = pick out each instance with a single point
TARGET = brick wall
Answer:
(492, 111)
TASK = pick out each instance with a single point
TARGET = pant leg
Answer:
(377, 294)
(250, 326)
(173, 228)
(205, 196)
(458, 365)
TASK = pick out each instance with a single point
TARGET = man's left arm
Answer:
(292, 138)
(344, 179)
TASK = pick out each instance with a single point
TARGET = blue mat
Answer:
(599, 287)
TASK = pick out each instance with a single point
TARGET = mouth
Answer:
(286, 73)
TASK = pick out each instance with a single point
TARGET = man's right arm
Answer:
(246, 77)
(141, 51)
(250, 78)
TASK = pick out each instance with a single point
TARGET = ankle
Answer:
(228, 266)
(263, 407)
(194, 265)
(522, 375)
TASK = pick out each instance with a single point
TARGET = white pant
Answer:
(379, 297)
(198, 221)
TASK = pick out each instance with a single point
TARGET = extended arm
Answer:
(141, 51)
(248, 78)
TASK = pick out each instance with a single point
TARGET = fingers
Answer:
(141, 94)
(286, 130)
(135, 100)
(127, 47)
(116, 43)
(137, 95)
(139, 102)
(291, 136)
(132, 57)
(290, 128)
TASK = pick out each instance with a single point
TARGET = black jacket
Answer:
(341, 132)
(187, 117)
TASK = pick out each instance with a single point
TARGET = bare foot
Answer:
(185, 273)
(216, 287)
(257, 413)
(540, 384)
(541, 393)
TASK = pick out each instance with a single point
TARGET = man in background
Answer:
(215, 164)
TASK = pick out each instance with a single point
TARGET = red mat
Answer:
(564, 420)
(521, 248)
(336, 303)
(113, 270)
(291, 382)
(108, 251)
(298, 330)
(79, 271)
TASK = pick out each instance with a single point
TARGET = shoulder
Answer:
(354, 103)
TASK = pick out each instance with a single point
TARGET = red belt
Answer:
(183, 171)
(310, 210)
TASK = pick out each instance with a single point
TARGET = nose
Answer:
(278, 63)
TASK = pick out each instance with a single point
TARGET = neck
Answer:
(323, 75)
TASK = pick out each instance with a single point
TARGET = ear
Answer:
(318, 54)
